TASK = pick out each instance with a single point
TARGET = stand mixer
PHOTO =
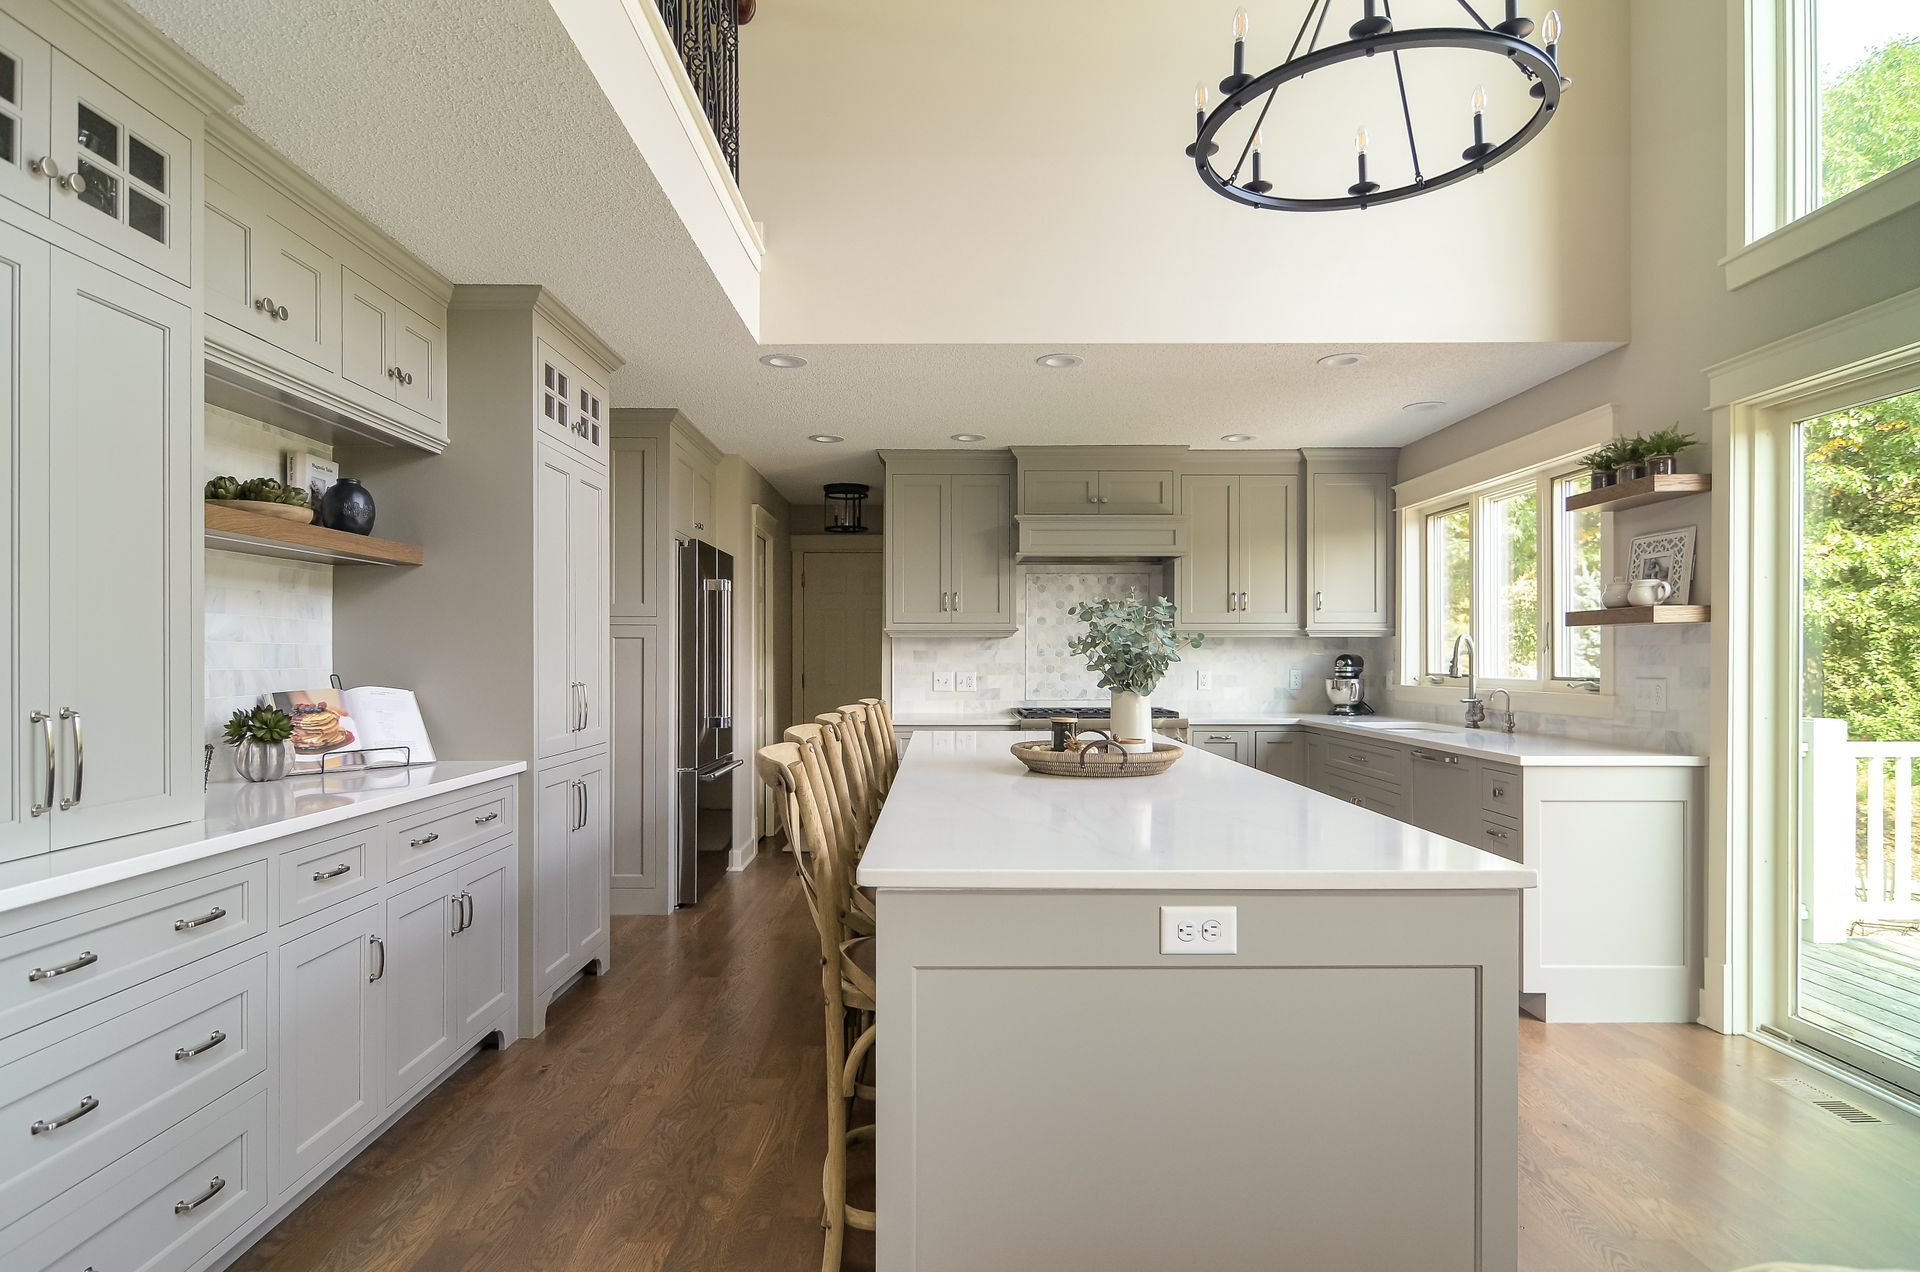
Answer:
(1345, 689)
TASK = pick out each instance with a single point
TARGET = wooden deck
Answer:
(1866, 989)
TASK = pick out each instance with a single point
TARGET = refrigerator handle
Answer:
(722, 716)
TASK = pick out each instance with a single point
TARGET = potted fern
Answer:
(1600, 464)
(1131, 643)
(1630, 459)
(1663, 448)
(262, 742)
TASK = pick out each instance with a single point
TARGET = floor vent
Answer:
(1846, 1112)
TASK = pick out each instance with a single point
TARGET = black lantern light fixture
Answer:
(1371, 34)
(844, 501)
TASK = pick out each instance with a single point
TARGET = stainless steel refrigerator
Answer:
(703, 721)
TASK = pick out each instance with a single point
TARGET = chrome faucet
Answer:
(1476, 709)
(1506, 718)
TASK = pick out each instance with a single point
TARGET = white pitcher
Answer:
(1649, 592)
(1615, 597)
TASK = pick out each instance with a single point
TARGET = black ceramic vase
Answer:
(348, 506)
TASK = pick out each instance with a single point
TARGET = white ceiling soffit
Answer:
(1011, 171)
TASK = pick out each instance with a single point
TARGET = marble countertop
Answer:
(241, 814)
(964, 814)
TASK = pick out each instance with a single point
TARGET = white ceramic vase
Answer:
(1133, 718)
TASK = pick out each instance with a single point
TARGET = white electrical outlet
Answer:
(1650, 694)
(965, 681)
(1203, 680)
(1294, 679)
(943, 682)
(1199, 929)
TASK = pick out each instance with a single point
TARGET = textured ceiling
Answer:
(473, 134)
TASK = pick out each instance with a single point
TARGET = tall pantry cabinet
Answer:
(100, 243)
(520, 576)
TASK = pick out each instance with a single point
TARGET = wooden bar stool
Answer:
(880, 716)
(849, 987)
(822, 756)
(858, 793)
(858, 739)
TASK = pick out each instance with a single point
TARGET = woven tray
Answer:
(1042, 758)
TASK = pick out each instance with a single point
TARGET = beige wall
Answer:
(1019, 166)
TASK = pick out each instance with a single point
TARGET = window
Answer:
(1487, 563)
(1831, 136)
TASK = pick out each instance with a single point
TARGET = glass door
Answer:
(1853, 977)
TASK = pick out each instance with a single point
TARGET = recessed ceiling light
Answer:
(824, 438)
(1430, 405)
(1237, 437)
(969, 437)
(1342, 360)
(1056, 361)
(783, 361)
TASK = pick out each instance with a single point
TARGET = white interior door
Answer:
(26, 746)
(839, 615)
(125, 545)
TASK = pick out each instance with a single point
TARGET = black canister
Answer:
(1064, 727)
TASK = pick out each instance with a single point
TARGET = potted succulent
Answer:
(262, 742)
(1600, 465)
(1630, 459)
(1131, 644)
(1663, 448)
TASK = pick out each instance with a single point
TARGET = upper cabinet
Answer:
(26, 100)
(949, 545)
(1241, 574)
(1096, 481)
(573, 403)
(1349, 542)
(691, 485)
(316, 322)
(126, 176)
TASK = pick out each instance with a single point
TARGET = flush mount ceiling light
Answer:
(1342, 360)
(783, 361)
(824, 438)
(1374, 33)
(1057, 361)
(969, 437)
(1430, 405)
(1237, 437)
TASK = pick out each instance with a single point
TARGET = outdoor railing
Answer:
(1861, 854)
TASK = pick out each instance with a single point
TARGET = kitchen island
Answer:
(1314, 1069)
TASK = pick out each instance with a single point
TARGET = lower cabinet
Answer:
(1282, 753)
(447, 967)
(1444, 795)
(571, 867)
(331, 1040)
(1233, 744)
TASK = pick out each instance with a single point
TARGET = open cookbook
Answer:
(367, 727)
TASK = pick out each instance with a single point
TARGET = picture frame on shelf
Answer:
(1666, 555)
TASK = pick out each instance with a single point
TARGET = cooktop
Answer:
(1084, 713)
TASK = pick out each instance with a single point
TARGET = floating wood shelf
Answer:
(1639, 614)
(238, 530)
(1645, 490)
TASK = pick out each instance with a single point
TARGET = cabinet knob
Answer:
(44, 166)
(406, 377)
(72, 183)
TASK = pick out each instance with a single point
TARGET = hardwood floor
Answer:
(671, 1116)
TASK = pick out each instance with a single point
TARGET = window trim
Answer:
(1418, 682)
(1767, 174)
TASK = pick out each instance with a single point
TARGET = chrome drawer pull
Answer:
(1357, 759)
(424, 840)
(214, 1039)
(1499, 792)
(321, 876)
(211, 916)
(72, 719)
(490, 817)
(87, 1105)
(87, 959)
(1498, 834)
(381, 946)
(214, 1186)
(45, 722)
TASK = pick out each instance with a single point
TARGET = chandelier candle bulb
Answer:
(1479, 149)
(1200, 122)
(1363, 187)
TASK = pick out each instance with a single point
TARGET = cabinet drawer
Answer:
(1500, 791)
(69, 962)
(1501, 835)
(1384, 800)
(316, 876)
(446, 832)
(166, 1206)
(1359, 759)
(82, 1101)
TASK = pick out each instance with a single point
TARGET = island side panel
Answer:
(1054, 1092)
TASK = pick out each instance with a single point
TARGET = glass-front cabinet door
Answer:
(572, 406)
(25, 175)
(126, 176)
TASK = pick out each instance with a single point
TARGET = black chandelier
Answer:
(1374, 34)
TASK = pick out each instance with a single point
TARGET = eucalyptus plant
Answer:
(1131, 643)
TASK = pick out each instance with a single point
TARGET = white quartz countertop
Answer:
(241, 814)
(1523, 750)
(965, 814)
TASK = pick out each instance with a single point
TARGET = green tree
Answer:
(1870, 119)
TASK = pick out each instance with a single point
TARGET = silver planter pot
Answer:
(263, 761)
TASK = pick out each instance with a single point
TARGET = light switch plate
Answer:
(965, 681)
(943, 682)
(1203, 680)
(1199, 929)
(1650, 693)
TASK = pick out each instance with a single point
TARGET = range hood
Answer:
(1096, 538)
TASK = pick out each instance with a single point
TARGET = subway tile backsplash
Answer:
(269, 623)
